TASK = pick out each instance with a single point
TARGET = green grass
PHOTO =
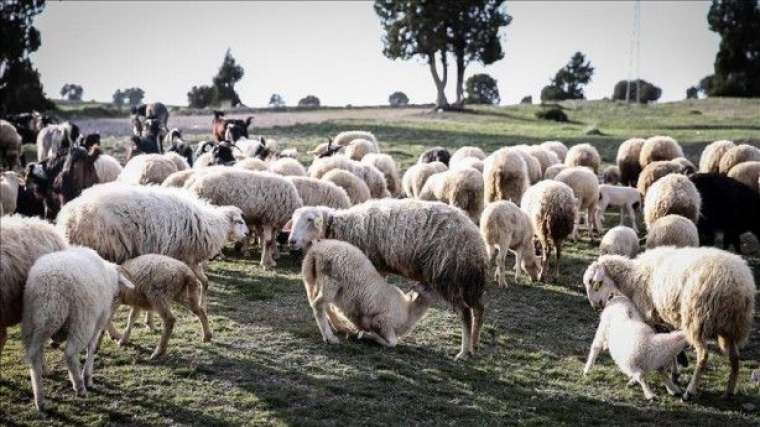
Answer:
(268, 365)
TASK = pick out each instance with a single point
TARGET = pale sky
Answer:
(334, 49)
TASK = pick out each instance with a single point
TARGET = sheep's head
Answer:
(238, 230)
(599, 286)
(307, 225)
(532, 265)
(222, 153)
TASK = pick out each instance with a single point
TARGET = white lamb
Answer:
(628, 199)
(504, 225)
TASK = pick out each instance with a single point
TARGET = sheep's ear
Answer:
(263, 141)
(288, 227)
(124, 278)
(248, 121)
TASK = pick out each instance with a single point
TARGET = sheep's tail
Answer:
(666, 346)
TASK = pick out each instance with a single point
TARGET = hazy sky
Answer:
(334, 49)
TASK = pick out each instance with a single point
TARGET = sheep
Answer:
(465, 152)
(435, 154)
(551, 207)
(385, 164)
(208, 154)
(553, 170)
(125, 221)
(654, 171)
(22, 241)
(158, 281)
(705, 292)
(345, 138)
(355, 188)
(739, 154)
(287, 167)
(672, 230)
(585, 186)
(107, 168)
(728, 206)
(371, 176)
(415, 177)
(544, 156)
(531, 163)
(358, 148)
(747, 173)
(626, 198)
(584, 155)
(178, 179)
(177, 145)
(504, 226)
(9, 184)
(470, 162)
(460, 187)
(620, 240)
(634, 345)
(68, 296)
(672, 194)
(610, 175)
(709, 161)
(266, 200)
(413, 239)
(627, 161)
(687, 167)
(326, 149)
(178, 160)
(253, 164)
(52, 137)
(559, 148)
(147, 169)
(337, 274)
(659, 148)
(314, 192)
(10, 144)
(506, 175)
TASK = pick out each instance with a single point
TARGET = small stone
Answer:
(749, 407)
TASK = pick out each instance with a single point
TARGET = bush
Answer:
(554, 114)
(692, 93)
(276, 101)
(552, 93)
(527, 100)
(398, 99)
(482, 89)
(201, 96)
(310, 101)
(647, 91)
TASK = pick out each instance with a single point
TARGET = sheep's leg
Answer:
(597, 346)
(466, 349)
(376, 338)
(545, 252)
(622, 216)
(266, 248)
(730, 347)
(3, 339)
(597, 221)
(632, 214)
(37, 361)
(558, 249)
(198, 270)
(162, 308)
(478, 312)
(648, 393)
(92, 348)
(194, 305)
(670, 385)
(318, 306)
(112, 332)
(149, 320)
(501, 266)
(130, 322)
(518, 264)
(702, 354)
(71, 355)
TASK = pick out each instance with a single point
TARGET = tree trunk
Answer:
(440, 83)
(460, 80)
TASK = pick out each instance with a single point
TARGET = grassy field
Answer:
(268, 365)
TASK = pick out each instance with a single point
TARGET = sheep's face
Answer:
(532, 266)
(599, 287)
(238, 229)
(306, 226)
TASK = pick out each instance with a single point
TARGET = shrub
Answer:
(398, 99)
(309, 101)
(692, 93)
(276, 101)
(527, 100)
(482, 89)
(552, 93)
(647, 91)
(555, 114)
(201, 96)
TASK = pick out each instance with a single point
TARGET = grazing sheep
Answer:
(107, 168)
(267, 201)
(620, 240)
(54, 136)
(355, 188)
(611, 175)
(551, 207)
(10, 144)
(435, 154)
(385, 164)
(178, 160)
(176, 144)
(371, 176)
(553, 170)
(146, 169)
(626, 198)
(705, 292)
(728, 206)
(659, 148)
(358, 148)
(584, 155)
(253, 164)
(504, 226)
(559, 148)
(22, 241)
(460, 187)
(413, 239)
(326, 149)
(585, 186)
(415, 177)
(672, 230)
(68, 297)
(9, 184)
(627, 161)
(337, 274)
(634, 345)
(709, 161)
(687, 167)
(531, 163)
(747, 173)
(178, 179)
(345, 138)
(159, 281)
(315, 192)
(545, 157)
(672, 194)
(470, 162)
(465, 152)
(506, 176)
(739, 154)
(287, 167)
(654, 171)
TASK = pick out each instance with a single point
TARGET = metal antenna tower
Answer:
(635, 53)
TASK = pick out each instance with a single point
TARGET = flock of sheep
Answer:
(143, 234)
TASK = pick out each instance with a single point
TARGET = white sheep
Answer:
(531, 163)
(107, 168)
(545, 157)
(672, 230)
(672, 194)
(634, 345)
(459, 187)
(465, 152)
(344, 138)
(10, 144)
(654, 171)
(337, 274)
(51, 137)
(747, 173)
(610, 175)
(659, 148)
(371, 176)
(179, 161)
(558, 147)
(506, 175)
(68, 297)
(253, 164)
(584, 155)
(415, 177)
(585, 186)
(709, 161)
(736, 155)
(9, 184)
(358, 148)
(385, 164)
(620, 240)
(470, 162)
(627, 160)
(554, 170)
(626, 198)
(286, 166)
(147, 169)
(706, 292)
(179, 178)
(315, 192)
(355, 188)
(505, 227)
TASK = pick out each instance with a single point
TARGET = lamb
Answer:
(705, 292)
(107, 168)
(358, 148)
(385, 164)
(470, 162)
(747, 173)
(52, 137)
(413, 239)
(585, 186)
(709, 161)
(464, 152)
(627, 161)
(611, 175)
(531, 163)
(369, 174)
(314, 192)
(654, 171)
(659, 148)
(584, 155)
(253, 164)
(554, 170)
(287, 167)
(122, 222)
(557, 147)
(68, 297)
(672, 230)
(739, 154)
(337, 274)
(551, 207)
(10, 144)
(415, 177)
(435, 154)
(9, 184)
(634, 345)
(672, 194)
(266, 200)
(626, 198)
(620, 240)
(504, 226)
(158, 281)
(462, 188)
(506, 175)
(147, 169)
(22, 241)
(355, 188)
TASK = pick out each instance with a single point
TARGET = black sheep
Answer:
(435, 154)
